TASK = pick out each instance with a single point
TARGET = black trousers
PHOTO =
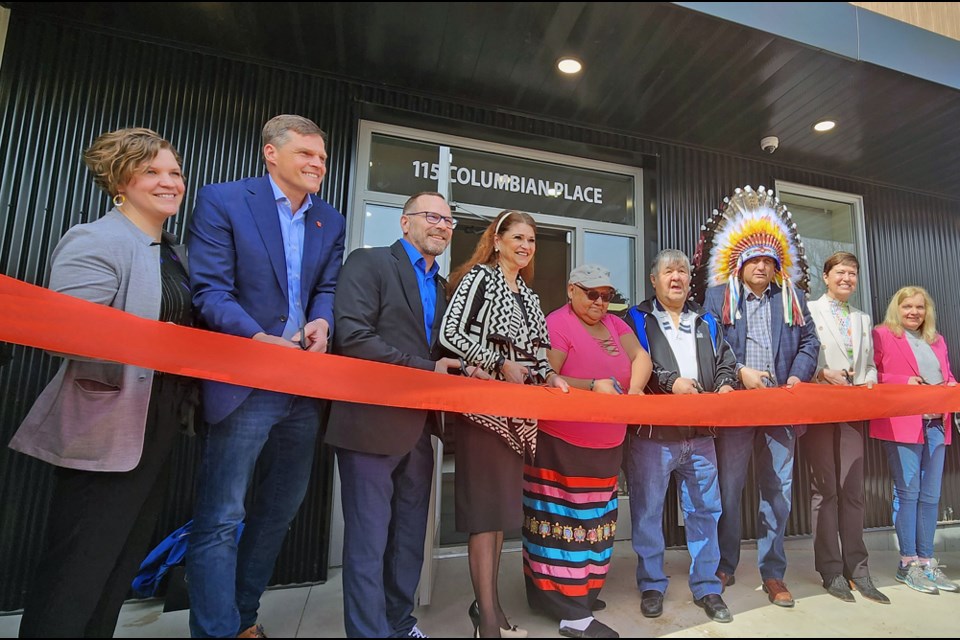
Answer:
(835, 455)
(99, 531)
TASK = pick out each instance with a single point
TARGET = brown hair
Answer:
(409, 203)
(841, 257)
(485, 252)
(115, 156)
(892, 320)
(277, 128)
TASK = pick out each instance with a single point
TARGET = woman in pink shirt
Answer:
(570, 490)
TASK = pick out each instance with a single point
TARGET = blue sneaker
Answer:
(934, 574)
(913, 576)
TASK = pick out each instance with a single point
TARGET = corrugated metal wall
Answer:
(60, 86)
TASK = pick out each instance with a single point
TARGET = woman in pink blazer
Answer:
(908, 350)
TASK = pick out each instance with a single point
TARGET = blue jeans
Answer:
(917, 470)
(225, 579)
(385, 504)
(649, 467)
(772, 449)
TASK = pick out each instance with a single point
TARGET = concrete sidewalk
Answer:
(316, 611)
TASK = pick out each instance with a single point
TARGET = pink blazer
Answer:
(895, 364)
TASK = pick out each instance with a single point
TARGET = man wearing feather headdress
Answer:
(751, 259)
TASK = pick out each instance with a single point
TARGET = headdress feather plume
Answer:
(748, 225)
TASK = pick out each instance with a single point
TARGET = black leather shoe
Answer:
(837, 587)
(715, 607)
(651, 603)
(598, 605)
(595, 629)
(867, 589)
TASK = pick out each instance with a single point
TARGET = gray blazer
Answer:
(92, 415)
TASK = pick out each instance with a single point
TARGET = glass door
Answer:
(553, 261)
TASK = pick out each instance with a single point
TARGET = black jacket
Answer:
(716, 363)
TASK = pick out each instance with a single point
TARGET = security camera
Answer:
(770, 143)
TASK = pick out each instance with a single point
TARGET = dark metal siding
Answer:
(60, 86)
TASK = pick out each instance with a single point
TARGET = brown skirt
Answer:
(487, 482)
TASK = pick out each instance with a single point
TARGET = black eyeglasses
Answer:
(593, 294)
(435, 218)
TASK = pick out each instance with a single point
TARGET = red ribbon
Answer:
(36, 317)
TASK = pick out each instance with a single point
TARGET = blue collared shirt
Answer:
(426, 281)
(292, 224)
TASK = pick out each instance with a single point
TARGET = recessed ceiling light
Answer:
(569, 65)
(824, 125)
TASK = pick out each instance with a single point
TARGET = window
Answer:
(828, 221)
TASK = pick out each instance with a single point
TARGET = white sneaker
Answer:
(416, 633)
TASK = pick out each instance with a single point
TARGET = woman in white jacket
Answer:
(835, 451)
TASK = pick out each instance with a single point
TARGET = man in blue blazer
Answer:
(266, 253)
(769, 352)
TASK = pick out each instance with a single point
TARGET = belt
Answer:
(670, 434)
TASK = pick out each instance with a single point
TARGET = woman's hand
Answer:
(915, 380)
(834, 376)
(605, 385)
(513, 372)
(558, 382)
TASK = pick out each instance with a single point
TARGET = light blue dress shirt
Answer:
(291, 229)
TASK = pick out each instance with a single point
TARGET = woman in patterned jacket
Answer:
(494, 321)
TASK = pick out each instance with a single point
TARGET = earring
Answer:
(496, 249)
(119, 199)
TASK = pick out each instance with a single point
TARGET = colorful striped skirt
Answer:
(569, 524)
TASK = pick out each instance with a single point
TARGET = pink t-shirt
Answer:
(587, 359)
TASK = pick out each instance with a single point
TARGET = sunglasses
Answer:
(593, 294)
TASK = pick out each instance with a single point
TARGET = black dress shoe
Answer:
(715, 607)
(651, 603)
(598, 605)
(867, 589)
(595, 629)
(837, 587)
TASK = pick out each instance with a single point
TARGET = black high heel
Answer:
(474, 613)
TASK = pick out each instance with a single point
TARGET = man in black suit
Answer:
(388, 307)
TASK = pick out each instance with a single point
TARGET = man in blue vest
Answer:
(689, 356)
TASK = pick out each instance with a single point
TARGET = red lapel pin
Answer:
(319, 224)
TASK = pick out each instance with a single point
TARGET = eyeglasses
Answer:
(435, 218)
(593, 294)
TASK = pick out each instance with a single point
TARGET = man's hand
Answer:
(684, 386)
(443, 365)
(791, 381)
(277, 340)
(725, 389)
(753, 378)
(316, 333)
